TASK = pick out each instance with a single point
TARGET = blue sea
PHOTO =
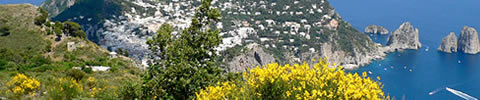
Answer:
(420, 74)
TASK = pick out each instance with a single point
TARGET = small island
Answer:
(449, 43)
(376, 29)
(405, 37)
(468, 41)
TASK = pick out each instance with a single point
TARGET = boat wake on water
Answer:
(435, 91)
(460, 94)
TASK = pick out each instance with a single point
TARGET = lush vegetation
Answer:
(22, 85)
(184, 64)
(275, 82)
(35, 62)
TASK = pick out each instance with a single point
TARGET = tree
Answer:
(185, 63)
(42, 18)
(73, 29)
(3, 63)
(58, 27)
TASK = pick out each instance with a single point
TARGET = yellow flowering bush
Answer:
(92, 81)
(297, 82)
(95, 91)
(21, 84)
(67, 88)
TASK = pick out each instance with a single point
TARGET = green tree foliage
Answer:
(39, 20)
(76, 74)
(3, 63)
(185, 63)
(131, 90)
(73, 29)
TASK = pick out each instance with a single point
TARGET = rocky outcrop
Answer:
(375, 29)
(55, 7)
(449, 43)
(350, 62)
(254, 56)
(468, 41)
(405, 37)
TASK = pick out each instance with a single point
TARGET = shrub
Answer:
(65, 89)
(21, 85)
(274, 82)
(76, 74)
(113, 69)
(42, 18)
(43, 68)
(4, 31)
(80, 34)
(3, 64)
(131, 91)
(88, 70)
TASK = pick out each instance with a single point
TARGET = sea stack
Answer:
(468, 41)
(449, 43)
(375, 29)
(405, 37)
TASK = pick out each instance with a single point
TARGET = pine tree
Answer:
(186, 63)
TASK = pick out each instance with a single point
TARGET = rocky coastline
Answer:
(405, 37)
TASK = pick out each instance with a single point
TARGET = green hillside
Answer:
(34, 46)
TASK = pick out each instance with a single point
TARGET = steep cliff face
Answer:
(449, 43)
(468, 41)
(55, 7)
(405, 37)
(375, 29)
(254, 56)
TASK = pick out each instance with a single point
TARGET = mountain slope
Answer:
(55, 7)
(294, 30)
(56, 60)
(27, 42)
(255, 32)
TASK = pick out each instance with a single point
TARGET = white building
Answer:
(99, 68)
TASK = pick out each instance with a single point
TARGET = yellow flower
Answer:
(364, 74)
(298, 81)
(21, 84)
(288, 93)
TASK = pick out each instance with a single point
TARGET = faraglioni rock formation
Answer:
(449, 43)
(375, 29)
(405, 37)
(468, 41)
